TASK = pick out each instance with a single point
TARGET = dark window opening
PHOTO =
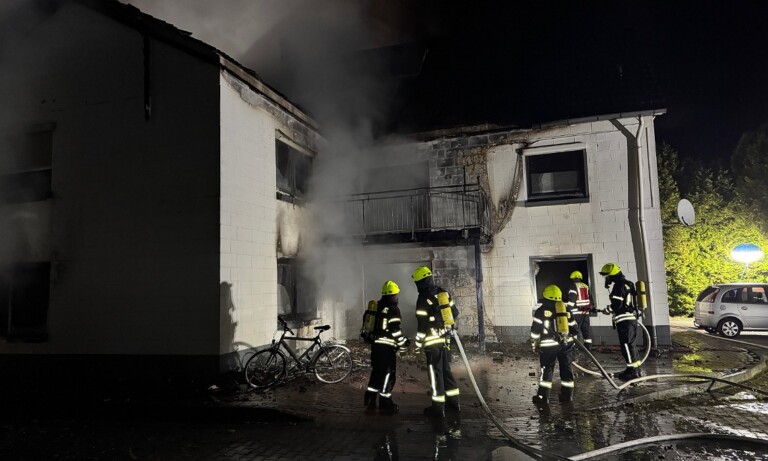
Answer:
(24, 297)
(294, 290)
(557, 271)
(556, 176)
(27, 177)
(708, 295)
(293, 169)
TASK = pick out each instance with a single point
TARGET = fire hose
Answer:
(540, 454)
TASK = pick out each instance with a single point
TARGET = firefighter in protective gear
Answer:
(552, 333)
(387, 340)
(622, 294)
(580, 304)
(436, 315)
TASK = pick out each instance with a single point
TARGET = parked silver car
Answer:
(728, 309)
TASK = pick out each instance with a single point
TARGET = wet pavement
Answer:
(304, 419)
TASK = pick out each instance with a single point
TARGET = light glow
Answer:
(746, 253)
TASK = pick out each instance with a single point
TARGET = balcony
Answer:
(439, 215)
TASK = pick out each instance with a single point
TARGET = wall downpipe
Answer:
(479, 293)
(638, 228)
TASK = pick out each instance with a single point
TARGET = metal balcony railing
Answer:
(416, 211)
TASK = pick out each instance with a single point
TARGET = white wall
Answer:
(134, 210)
(599, 227)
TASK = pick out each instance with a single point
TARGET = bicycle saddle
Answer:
(323, 327)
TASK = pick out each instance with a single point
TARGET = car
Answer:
(728, 309)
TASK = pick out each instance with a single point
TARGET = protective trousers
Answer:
(582, 321)
(627, 331)
(564, 357)
(383, 375)
(442, 383)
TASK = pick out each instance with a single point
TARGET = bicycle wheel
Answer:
(333, 364)
(265, 368)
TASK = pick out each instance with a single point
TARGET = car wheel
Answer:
(730, 328)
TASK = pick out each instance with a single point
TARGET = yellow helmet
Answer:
(553, 293)
(576, 275)
(610, 269)
(421, 273)
(390, 288)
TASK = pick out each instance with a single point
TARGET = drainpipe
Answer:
(479, 293)
(638, 228)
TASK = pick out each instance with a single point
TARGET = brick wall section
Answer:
(252, 219)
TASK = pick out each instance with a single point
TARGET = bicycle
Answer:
(331, 363)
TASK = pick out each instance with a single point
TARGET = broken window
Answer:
(558, 176)
(293, 168)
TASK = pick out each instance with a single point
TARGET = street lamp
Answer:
(746, 253)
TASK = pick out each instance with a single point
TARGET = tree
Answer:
(699, 255)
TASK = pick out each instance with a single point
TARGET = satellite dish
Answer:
(685, 213)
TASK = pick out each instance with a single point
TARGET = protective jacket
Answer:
(431, 330)
(387, 328)
(543, 329)
(623, 299)
(579, 299)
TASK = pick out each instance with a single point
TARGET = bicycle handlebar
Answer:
(284, 325)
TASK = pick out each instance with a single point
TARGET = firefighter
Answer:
(435, 314)
(387, 340)
(580, 304)
(622, 293)
(552, 333)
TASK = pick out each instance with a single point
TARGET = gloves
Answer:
(535, 347)
(419, 345)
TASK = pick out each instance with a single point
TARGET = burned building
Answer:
(158, 207)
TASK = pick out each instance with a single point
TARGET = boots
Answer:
(454, 404)
(542, 397)
(436, 410)
(387, 407)
(566, 394)
(626, 375)
(370, 402)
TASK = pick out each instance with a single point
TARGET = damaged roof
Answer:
(158, 29)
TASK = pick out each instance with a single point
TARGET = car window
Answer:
(757, 295)
(710, 298)
(707, 293)
(734, 295)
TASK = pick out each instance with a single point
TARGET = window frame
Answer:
(292, 184)
(537, 153)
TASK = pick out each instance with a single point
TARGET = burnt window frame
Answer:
(557, 197)
(293, 167)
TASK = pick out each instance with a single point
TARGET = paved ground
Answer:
(304, 419)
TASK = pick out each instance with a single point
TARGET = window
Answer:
(25, 188)
(28, 177)
(708, 295)
(295, 297)
(293, 168)
(25, 289)
(557, 176)
(757, 296)
(556, 270)
(734, 295)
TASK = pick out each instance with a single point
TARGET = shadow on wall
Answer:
(230, 358)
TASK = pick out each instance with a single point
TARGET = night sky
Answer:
(708, 57)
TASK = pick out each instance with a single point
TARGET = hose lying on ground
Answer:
(645, 357)
(540, 454)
